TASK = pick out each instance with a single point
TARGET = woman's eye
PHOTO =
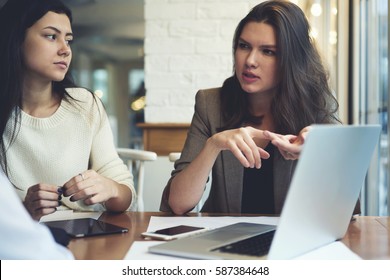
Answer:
(51, 36)
(243, 45)
(269, 52)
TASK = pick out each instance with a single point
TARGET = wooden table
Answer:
(369, 237)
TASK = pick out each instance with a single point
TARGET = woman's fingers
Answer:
(42, 199)
(242, 144)
(289, 146)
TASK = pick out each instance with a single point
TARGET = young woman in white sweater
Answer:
(56, 145)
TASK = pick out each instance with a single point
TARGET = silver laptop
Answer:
(318, 207)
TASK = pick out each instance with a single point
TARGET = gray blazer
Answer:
(227, 173)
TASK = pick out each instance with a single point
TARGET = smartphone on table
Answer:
(175, 232)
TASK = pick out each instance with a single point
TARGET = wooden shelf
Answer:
(164, 138)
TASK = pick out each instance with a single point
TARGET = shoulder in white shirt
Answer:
(20, 236)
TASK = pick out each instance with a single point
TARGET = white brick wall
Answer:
(188, 46)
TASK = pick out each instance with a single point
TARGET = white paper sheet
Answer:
(139, 251)
(333, 251)
(69, 215)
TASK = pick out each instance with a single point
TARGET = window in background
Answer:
(137, 105)
(330, 32)
(322, 15)
(100, 84)
(372, 105)
(352, 37)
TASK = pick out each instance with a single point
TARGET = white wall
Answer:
(188, 46)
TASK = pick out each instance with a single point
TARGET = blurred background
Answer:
(109, 59)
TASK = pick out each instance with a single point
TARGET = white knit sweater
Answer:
(52, 150)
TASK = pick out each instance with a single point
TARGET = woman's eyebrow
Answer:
(263, 45)
(269, 46)
(58, 31)
(242, 40)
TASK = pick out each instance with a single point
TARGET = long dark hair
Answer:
(303, 93)
(16, 16)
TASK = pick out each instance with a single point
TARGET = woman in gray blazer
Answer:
(249, 132)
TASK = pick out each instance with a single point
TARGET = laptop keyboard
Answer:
(258, 245)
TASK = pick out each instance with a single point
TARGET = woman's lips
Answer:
(249, 77)
(62, 65)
